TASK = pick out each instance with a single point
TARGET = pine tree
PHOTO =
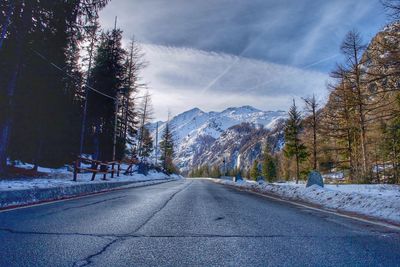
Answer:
(268, 169)
(147, 145)
(107, 77)
(215, 172)
(254, 171)
(38, 98)
(293, 145)
(129, 121)
(167, 150)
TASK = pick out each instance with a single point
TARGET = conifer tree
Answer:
(147, 144)
(39, 99)
(215, 172)
(107, 77)
(129, 121)
(268, 167)
(293, 145)
(167, 149)
(254, 171)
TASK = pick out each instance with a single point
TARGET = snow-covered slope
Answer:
(196, 131)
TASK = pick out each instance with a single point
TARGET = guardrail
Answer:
(96, 167)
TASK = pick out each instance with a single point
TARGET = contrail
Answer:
(271, 80)
(304, 67)
(227, 69)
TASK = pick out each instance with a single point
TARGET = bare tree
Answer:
(338, 123)
(311, 106)
(353, 49)
(392, 7)
(134, 64)
(145, 115)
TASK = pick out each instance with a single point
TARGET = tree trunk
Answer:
(6, 126)
(350, 152)
(315, 139)
(297, 169)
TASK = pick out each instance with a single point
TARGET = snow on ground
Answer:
(63, 178)
(381, 201)
(51, 184)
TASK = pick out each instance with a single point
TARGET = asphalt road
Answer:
(189, 223)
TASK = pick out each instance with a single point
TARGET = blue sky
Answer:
(214, 54)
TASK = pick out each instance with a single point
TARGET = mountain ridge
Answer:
(196, 132)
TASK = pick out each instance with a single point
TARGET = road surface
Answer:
(188, 223)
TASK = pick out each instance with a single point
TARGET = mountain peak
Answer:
(196, 131)
(245, 108)
(193, 110)
(190, 113)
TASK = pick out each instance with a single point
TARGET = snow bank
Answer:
(26, 191)
(377, 201)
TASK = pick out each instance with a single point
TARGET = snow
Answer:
(380, 201)
(63, 178)
(191, 127)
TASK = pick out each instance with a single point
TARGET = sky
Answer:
(215, 54)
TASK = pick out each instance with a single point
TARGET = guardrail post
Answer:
(76, 166)
(95, 164)
(112, 169)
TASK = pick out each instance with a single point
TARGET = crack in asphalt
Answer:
(12, 231)
(160, 208)
(88, 260)
(128, 236)
(114, 238)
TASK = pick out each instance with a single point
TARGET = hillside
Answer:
(237, 132)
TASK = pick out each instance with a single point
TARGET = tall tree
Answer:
(129, 121)
(50, 28)
(107, 77)
(311, 106)
(167, 149)
(147, 145)
(352, 48)
(339, 125)
(145, 114)
(293, 145)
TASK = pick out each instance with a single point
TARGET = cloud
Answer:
(286, 31)
(214, 54)
(178, 77)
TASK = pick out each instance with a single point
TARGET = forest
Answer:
(70, 88)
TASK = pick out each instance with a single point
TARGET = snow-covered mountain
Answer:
(197, 133)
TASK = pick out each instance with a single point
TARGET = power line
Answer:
(76, 79)
(70, 76)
